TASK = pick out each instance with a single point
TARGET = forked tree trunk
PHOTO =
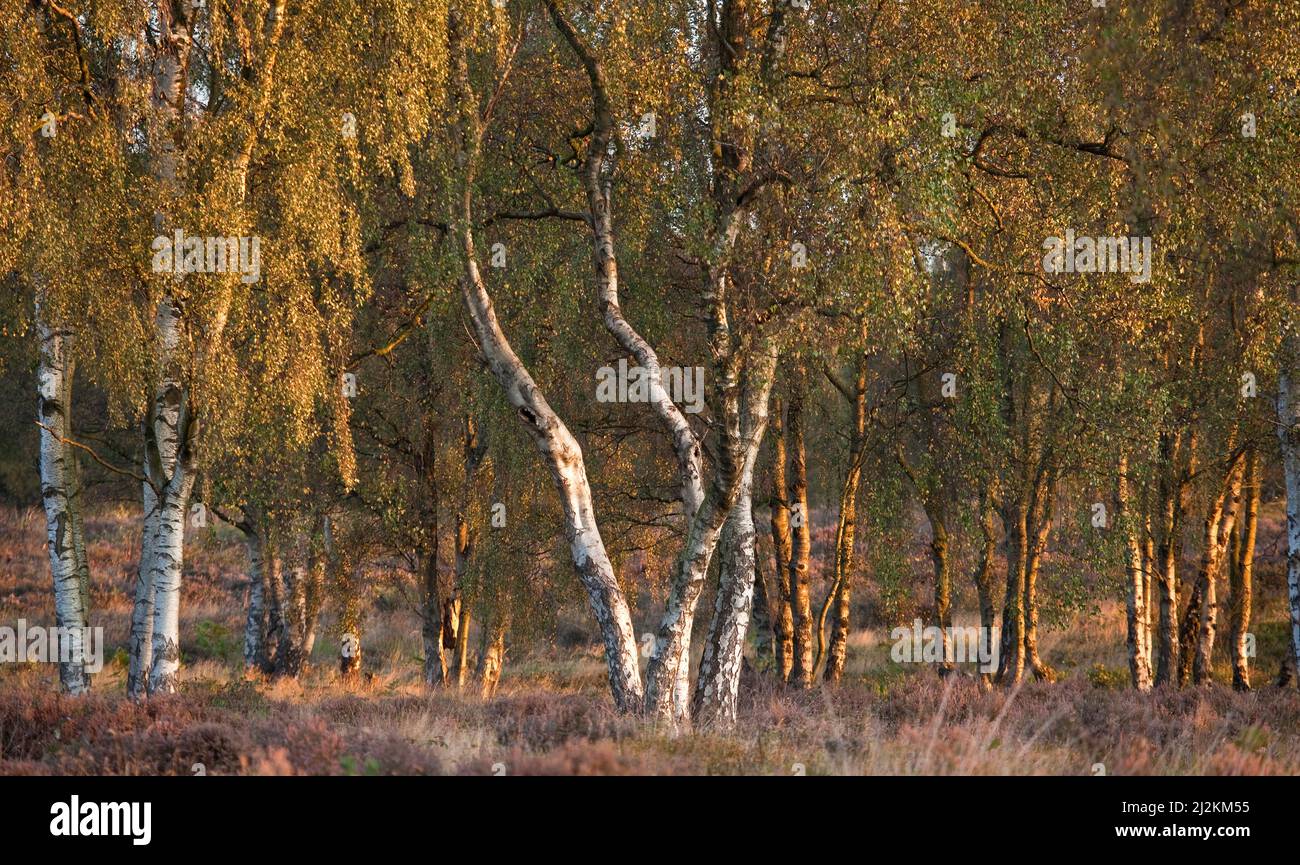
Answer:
(744, 420)
(841, 594)
(718, 685)
(717, 688)
(58, 490)
(1241, 573)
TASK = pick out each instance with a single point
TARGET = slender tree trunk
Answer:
(801, 534)
(435, 666)
(57, 467)
(983, 580)
(783, 620)
(1127, 520)
(460, 658)
(349, 622)
(1011, 658)
(841, 594)
(1212, 560)
(1167, 552)
(140, 641)
(1288, 432)
(764, 647)
(1242, 573)
(1038, 529)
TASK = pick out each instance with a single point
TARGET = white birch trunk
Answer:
(1139, 658)
(58, 486)
(717, 688)
(140, 642)
(554, 441)
(1288, 431)
(255, 620)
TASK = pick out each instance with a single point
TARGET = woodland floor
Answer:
(552, 714)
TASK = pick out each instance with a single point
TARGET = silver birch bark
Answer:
(556, 444)
(1288, 433)
(597, 183)
(1139, 661)
(717, 687)
(255, 620)
(53, 411)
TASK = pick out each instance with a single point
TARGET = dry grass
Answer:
(553, 716)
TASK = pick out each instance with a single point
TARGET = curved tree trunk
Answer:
(841, 593)
(553, 440)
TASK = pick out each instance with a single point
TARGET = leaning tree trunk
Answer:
(1288, 432)
(552, 438)
(1241, 574)
(57, 467)
(1126, 518)
(783, 620)
(801, 673)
